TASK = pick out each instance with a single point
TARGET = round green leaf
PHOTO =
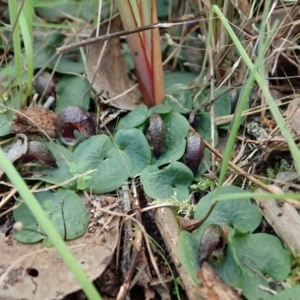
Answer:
(134, 143)
(264, 253)
(176, 130)
(135, 118)
(112, 165)
(72, 90)
(223, 102)
(240, 277)
(239, 213)
(64, 208)
(176, 178)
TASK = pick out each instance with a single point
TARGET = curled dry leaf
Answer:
(31, 271)
(189, 225)
(15, 149)
(287, 14)
(156, 131)
(293, 114)
(112, 74)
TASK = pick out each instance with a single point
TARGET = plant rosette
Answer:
(249, 259)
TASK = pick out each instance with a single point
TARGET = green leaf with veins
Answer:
(134, 143)
(248, 257)
(176, 178)
(239, 213)
(112, 166)
(264, 254)
(65, 209)
(178, 91)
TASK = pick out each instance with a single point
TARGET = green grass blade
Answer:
(264, 87)
(26, 30)
(13, 14)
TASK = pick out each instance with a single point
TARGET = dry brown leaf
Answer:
(287, 14)
(15, 149)
(112, 75)
(189, 225)
(35, 120)
(293, 116)
(31, 271)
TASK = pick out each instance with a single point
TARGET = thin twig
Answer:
(135, 251)
(183, 20)
(267, 188)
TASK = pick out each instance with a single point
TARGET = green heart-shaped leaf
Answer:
(112, 166)
(64, 208)
(239, 213)
(264, 253)
(134, 143)
(176, 130)
(175, 179)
